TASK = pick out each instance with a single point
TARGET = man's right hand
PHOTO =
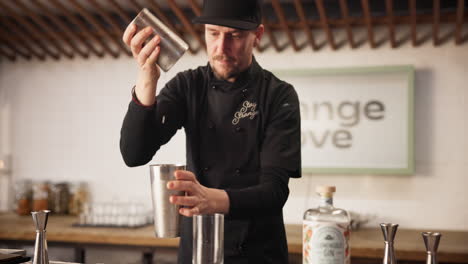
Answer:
(145, 56)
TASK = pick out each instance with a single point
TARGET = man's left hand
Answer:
(198, 199)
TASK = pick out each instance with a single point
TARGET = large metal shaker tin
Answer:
(166, 215)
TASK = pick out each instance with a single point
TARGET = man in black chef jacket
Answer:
(242, 127)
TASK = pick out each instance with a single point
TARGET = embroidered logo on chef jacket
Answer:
(248, 110)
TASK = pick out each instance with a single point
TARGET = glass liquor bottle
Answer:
(326, 231)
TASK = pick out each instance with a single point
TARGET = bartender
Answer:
(242, 127)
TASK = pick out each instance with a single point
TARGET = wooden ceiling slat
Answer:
(391, 25)
(45, 28)
(120, 11)
(24, 39)
(195, 7)
(324, 22)
(111, 21)
(11, 45)
(368, 21)
(435, 25)
(137, 7)
(185, 21)
(115, 27)
(197, 11)
(422, 19)
(11, 57)
(8, 41)
(459, 22)
(270, 35)
(69, 36)
(282, 18)
(84, 13)
(82, 27)
(413, 21)
(34, 36)
(41, 33)
(304, 24)
(345, 15)
(160, 14)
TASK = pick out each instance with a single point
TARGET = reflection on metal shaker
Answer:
(166, 215)
(172, 46)
(208, 239)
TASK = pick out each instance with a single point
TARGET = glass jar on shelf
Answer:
(23, 197)
(60, 196)
(40, 196)
(79, 197)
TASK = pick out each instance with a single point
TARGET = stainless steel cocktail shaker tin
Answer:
(166, 215)
(172, 46)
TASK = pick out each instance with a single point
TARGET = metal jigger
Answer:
(389, 231)
(431, 240)
(40, 249)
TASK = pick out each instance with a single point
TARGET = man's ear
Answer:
(258, 34)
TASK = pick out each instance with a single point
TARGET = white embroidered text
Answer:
(248, 110)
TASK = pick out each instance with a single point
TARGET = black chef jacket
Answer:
(243, 137)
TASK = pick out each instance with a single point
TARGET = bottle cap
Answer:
(325, 190)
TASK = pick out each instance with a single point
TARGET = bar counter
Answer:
(367, 244)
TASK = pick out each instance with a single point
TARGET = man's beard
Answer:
(231, 72)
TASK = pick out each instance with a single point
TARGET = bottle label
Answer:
(325, 243)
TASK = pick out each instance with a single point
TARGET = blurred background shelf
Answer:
(367, 244)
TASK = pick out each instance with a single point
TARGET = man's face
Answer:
(230, 50)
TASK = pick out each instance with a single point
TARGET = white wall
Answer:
(66, 118)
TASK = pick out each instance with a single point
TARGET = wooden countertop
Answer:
(365, 243)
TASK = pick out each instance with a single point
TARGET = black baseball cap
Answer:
(238, 14)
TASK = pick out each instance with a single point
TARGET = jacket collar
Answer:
(244, 77)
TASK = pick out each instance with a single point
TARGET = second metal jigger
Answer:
(431, 240)
(389, 231)
(41, 255)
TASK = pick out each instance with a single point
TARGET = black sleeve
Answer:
(146, 129)
(267, 197)
(280, 159)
